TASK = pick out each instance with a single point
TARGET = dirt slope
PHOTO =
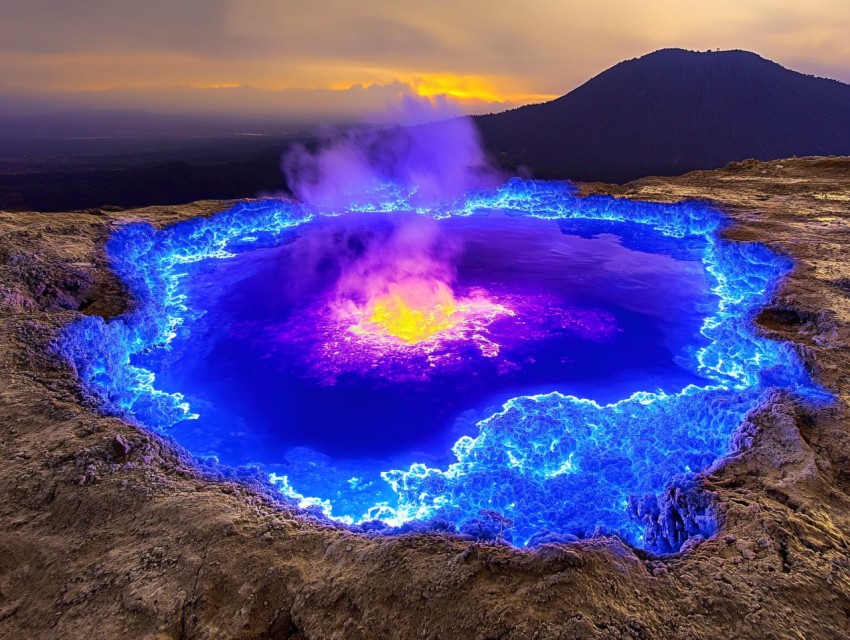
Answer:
(106, 537)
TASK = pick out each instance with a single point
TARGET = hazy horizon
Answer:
(341, 61)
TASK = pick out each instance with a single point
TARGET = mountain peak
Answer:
(692, 54)
(673, 111)
(686, 58)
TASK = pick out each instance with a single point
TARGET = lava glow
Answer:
(415, 311)
(405, 334)
(421, 311)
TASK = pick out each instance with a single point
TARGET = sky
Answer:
(350, 58)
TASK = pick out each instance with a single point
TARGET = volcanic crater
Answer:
(195, 547)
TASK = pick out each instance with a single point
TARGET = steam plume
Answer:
(422, 163)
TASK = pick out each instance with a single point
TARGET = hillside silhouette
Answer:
(666, 113)
(674, 111)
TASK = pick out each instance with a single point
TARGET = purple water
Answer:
(600, 311)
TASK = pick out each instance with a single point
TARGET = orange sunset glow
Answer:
(351, 59)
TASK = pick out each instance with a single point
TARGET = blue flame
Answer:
(553, 464)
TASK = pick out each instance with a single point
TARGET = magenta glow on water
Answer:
(552, 359)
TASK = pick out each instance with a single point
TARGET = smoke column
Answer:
(427, 163)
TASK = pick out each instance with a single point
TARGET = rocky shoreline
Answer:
(110, 531)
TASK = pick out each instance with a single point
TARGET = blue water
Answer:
(257, 401)
(648, 363)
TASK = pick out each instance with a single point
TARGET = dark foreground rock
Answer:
(107, 531)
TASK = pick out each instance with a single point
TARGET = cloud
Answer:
(518, 49)
(373, 103)
(46, 27)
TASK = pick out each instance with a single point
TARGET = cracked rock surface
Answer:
(108, 531)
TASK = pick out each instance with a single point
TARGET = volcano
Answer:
(674, 111)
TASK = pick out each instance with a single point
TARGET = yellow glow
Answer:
(227, 85)
(415, 313)
(467, 88)
(461, 87)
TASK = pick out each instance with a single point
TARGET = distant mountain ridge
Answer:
(674, 111)
(666, 113)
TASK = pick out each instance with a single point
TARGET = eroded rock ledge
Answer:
(108, 531)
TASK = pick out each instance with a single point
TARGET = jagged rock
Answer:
(683, 511)
(121, 447)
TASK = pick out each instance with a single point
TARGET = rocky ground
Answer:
(107, 531)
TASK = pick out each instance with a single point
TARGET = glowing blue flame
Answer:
(552, 464)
